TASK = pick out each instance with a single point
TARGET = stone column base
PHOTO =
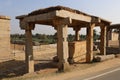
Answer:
(62, 67)
(70, 60)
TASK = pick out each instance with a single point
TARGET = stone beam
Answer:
(89, 44)
(79, 17)
(98, 20)
(40, 17)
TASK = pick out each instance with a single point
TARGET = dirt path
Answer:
(76, 70)
(99, 67)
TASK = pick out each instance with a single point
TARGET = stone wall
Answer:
(114, 36)
(77, 49)
(5, 52)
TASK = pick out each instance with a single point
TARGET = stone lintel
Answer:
(21, 17)
(100, 21)
(79, 17)
(39, 17)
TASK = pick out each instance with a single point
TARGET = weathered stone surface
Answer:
(103, 40)
(61, 18)
(77, 50)
(5, 52)
(99, 58)
(46, 10)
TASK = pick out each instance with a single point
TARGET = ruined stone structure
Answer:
(5, 38)
(61, 18)
(109, 33)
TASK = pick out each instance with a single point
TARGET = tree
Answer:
(71, 37)
(96, 36)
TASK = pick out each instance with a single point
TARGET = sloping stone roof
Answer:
(53, 8)
(113, 26)
(57, 8)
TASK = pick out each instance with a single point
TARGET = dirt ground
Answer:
(45, 68)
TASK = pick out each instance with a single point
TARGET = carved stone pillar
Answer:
(62, 47)
(62, 43)
(107, 37)
(29, 50)
(103, 40)
(89, 42)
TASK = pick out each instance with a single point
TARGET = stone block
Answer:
(99, 58)
(77, 50)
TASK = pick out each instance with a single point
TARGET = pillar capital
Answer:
(77, 28)
(102, 26)
(92, 25)
(25, 25)
(65, 21)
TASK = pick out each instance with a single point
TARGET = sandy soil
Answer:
(92, 69)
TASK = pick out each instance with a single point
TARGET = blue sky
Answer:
(107, 9)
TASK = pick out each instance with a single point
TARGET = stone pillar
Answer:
(110, 34)
(55, 58)
(107, 37)
(29, 51)
(62, 49)
(89, 42)
(62, 43)
(119, 40)
(77, 36)
(103, 40)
